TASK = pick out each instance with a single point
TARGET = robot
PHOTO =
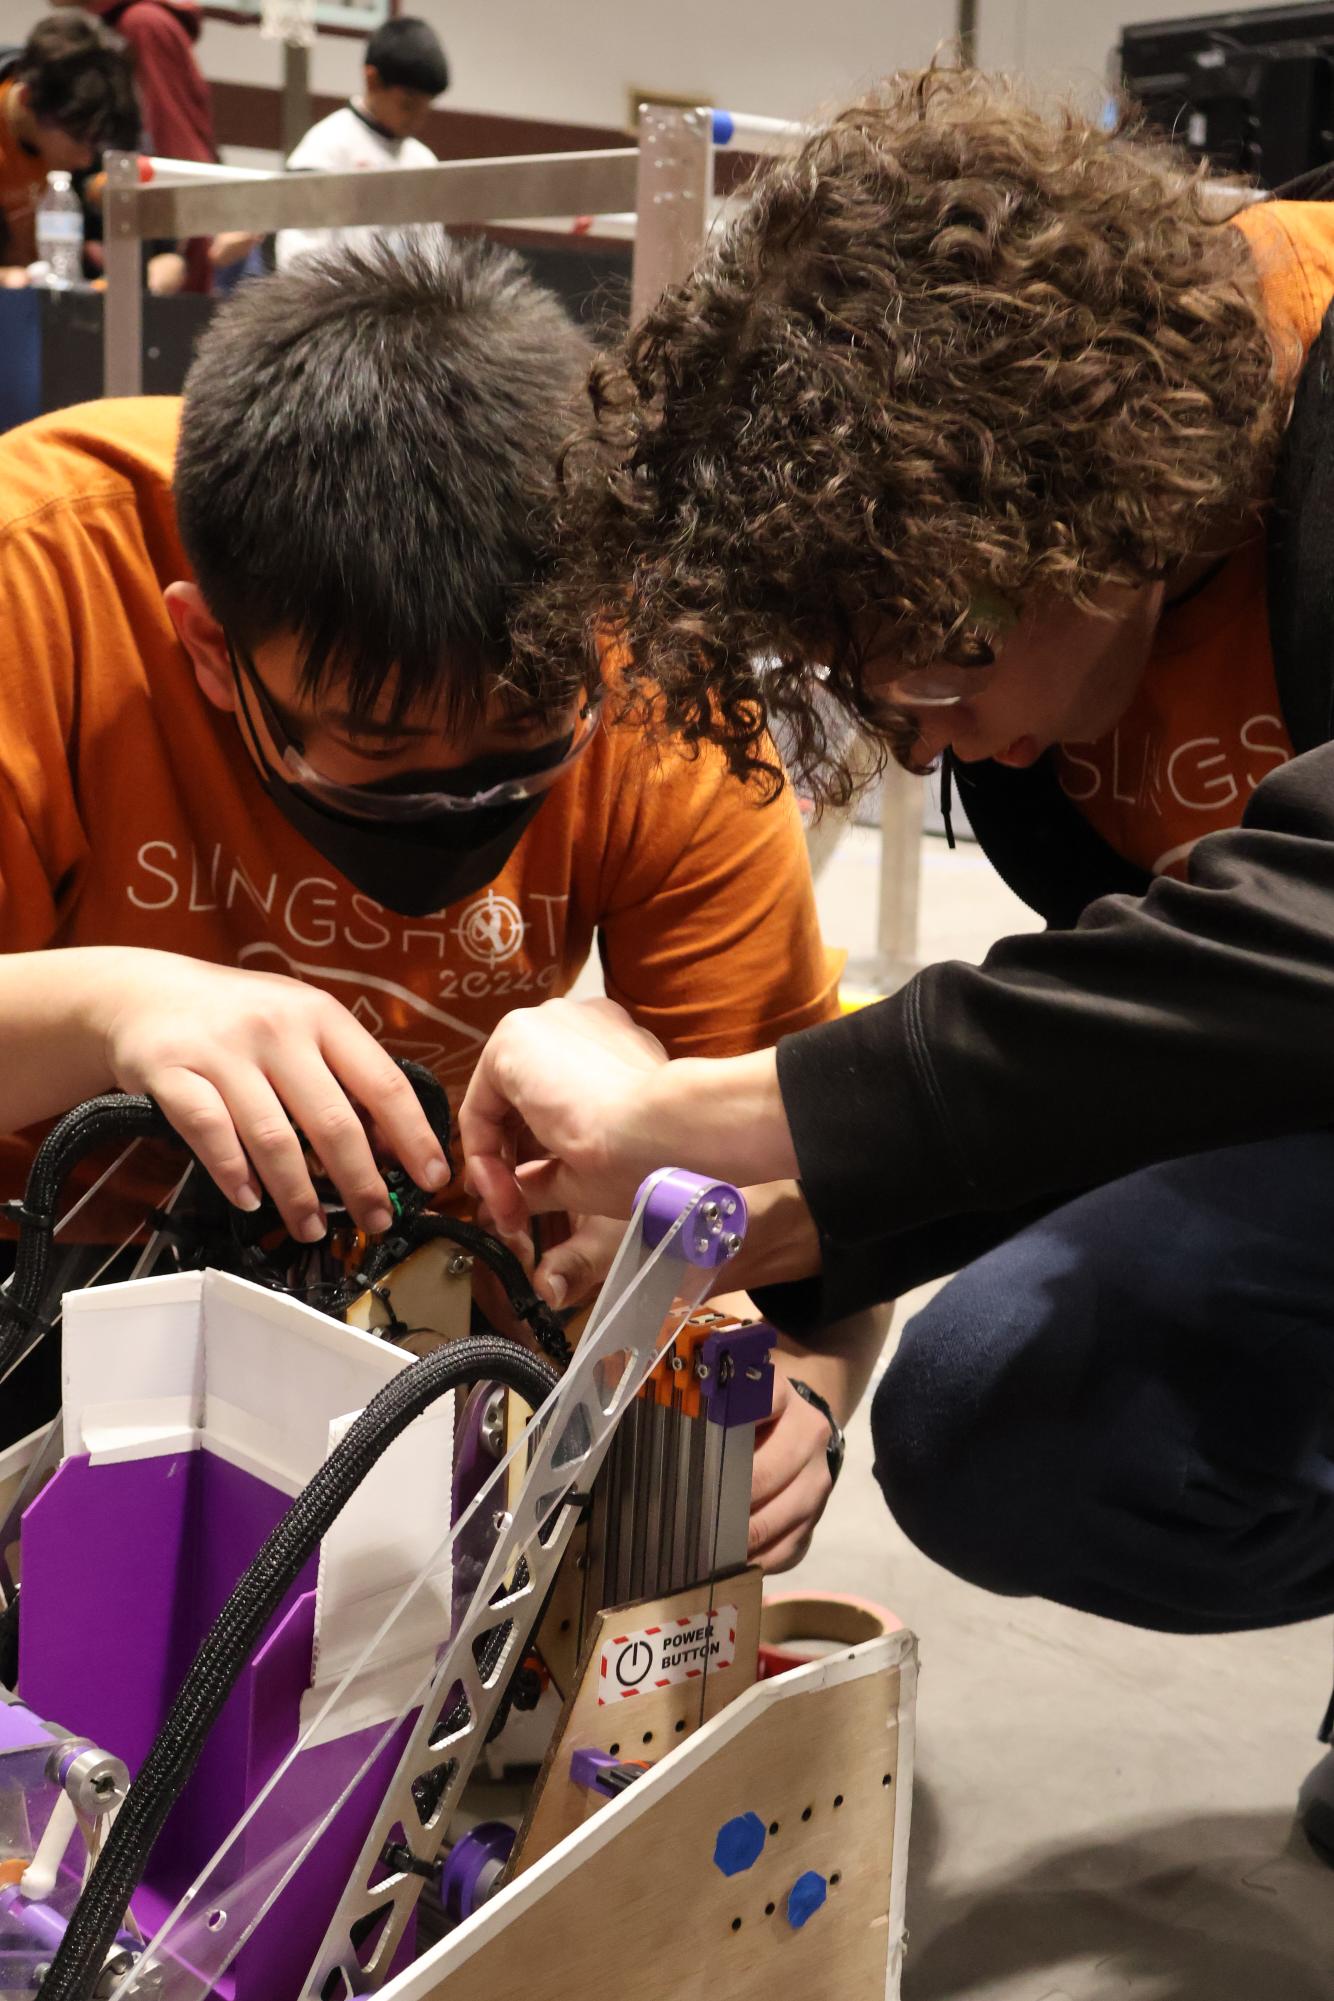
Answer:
(356, 1648)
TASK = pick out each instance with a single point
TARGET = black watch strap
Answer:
(837, 1448)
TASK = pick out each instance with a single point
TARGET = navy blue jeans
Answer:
(1129, 1406)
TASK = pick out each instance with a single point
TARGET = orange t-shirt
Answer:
(1205, 725)
(130, 813)
(22, 178)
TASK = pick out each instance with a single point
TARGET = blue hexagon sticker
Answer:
(739, 1845)
(805, 1898)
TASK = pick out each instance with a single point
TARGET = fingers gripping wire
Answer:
(256, 1246)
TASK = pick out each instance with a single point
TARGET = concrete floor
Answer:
(1099, 1812)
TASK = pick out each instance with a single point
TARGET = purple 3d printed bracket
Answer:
(739, 1388)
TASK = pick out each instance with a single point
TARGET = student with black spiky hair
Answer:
(278, 802)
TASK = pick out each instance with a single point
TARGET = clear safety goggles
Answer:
(967, 668)
(417, 795)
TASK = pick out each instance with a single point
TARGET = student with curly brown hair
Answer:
(990, 426)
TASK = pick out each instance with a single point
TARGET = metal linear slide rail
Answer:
(614, 1355)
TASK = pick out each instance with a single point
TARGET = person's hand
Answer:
(790, 1484)
(232, 246)
(570, 1272)
(564, 1080)
(14, 277)
(239, 1060)
(166, 274)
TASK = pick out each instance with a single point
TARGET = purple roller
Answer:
(714, 1229)
(472, 1868)
(44, 1926)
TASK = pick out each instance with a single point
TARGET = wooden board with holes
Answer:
(647, 1722)
(558, 1634)
(431, 1291)
(634, 1902)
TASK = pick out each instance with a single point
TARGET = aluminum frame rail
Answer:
(667, 180)
(458, 191)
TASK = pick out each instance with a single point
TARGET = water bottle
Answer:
(60, 231)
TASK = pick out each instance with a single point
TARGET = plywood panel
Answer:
(645, 1726)
(635, 1904)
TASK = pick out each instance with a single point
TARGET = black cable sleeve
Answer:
(499, 1258)
(9, 1643)
(240, 1625)
(115, 1116)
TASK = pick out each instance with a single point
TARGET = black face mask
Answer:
(415, 868)
(413, 872)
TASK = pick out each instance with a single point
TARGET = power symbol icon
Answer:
(634, 1664)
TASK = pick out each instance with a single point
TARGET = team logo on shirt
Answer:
(491, 930)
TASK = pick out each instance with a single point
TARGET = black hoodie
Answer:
(1155, 1019)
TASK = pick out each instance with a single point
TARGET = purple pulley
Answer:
(473, 1867)
(712, 1232)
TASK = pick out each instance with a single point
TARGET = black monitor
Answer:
(1251, 90)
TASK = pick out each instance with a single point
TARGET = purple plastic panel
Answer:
(125, 1567)
(740, 1384)
(20, 1730)
(716, 1225)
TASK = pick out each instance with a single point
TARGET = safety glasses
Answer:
(502, 779)
(964, 670)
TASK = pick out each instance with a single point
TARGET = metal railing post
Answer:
(902, 803)
(673, 196)
(123, 308)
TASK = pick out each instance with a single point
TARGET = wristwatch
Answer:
(837, 1449)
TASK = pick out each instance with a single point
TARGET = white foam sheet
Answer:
(205, 1360)
(385, 1535)
(161, 1365)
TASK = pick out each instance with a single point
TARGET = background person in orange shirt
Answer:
(177, 106)
(64, 96)
(276, 801)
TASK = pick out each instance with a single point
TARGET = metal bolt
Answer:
(729, 1207)
(708, 1212)
(703, 1372)
(731, 1244)
(500, 1521)
(459, 1265)
(755, 1375)
(116, 1965)
(701, 1243)
(493, 1424)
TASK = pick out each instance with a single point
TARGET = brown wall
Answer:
(249, 114)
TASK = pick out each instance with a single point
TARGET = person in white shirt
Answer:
(405, 72)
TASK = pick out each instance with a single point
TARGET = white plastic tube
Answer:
(39, 1878)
